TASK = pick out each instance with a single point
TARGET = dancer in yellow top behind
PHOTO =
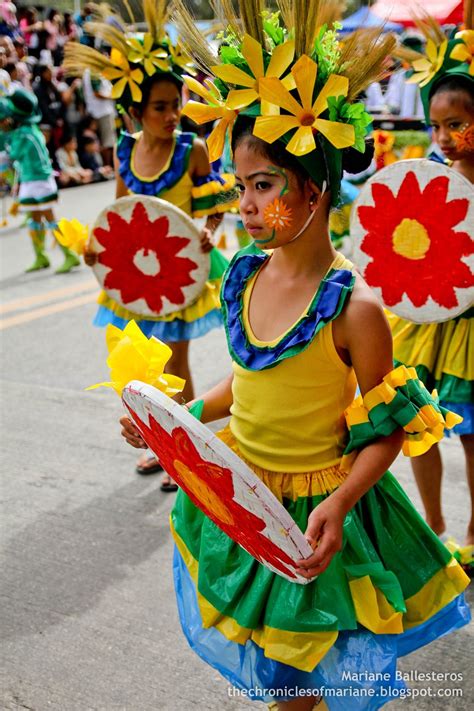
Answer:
(443, 352)
(302, 327)
(160, 161)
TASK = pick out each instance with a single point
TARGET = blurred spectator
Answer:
(12, 70)
(52, 26)
(85, 15)
(71, 171)
(69, 30)
(8, 19)
(9, 47)
(87, 128)
(51, 105)
(29, 28)
(4, 76)
(101, 107)
(70, 90)
(91, 159)
(24, 72)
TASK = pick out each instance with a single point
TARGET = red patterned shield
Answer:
(149, 256)
(217, 481)
(413, 229)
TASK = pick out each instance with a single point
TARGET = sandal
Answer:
(168, 484)
(150, 465)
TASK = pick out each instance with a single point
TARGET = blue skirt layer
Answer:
(466, 410)
(339, 677)
(166, 331)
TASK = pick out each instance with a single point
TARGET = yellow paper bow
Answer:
(122, 75)
(426, 67)
(465, 52)
(133, 356)
(215, 108)
(72, 234)
(252, 51)
(304, 116)
(144, 53)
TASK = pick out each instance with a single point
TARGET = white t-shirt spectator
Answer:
(97, 108)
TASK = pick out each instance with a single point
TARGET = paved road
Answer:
(89, 619)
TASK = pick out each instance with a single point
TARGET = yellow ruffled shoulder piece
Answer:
(133, 356)
(401, 400)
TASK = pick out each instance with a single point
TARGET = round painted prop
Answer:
(413, 230)
(149, 256)
(217, 481)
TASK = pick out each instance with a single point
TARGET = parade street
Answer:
(89, 618)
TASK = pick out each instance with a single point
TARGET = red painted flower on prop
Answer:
(210, 487)
(143, 259)
(412, 235)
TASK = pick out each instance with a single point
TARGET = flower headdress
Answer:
(289, 71)
(133, 56)
(443, 57)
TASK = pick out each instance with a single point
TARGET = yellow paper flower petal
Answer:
(304, 72)
(341, 135)
(197, 88)
(239, 98)
(335, 86)
(282, 56)
(272, 90)
(233, 75)
(202, 113)
(270, 128)
(118, 88)
(253, 53)
(302, 142)
(132, 356)
(215, 140)
(461, 53)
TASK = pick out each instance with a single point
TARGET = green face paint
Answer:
(274, 170)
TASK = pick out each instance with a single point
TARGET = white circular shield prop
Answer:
(413, 229)
(217, 481)
(149, 256)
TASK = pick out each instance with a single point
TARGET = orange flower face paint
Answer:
(277, 215)
(464, 139)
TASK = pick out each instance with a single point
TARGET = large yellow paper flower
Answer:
(122, 75)
(465, 52)
(215, 109)
(72, 234)
(426, 67)
(133, 356)
(282, 56)
(303, 116)
(143, 52)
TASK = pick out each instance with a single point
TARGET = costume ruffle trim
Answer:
(166, 180)
(166, 331)
(401, 400)
(213, 194)
(327, 304)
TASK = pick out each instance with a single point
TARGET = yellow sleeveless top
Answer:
(290, 418)
(180, 194)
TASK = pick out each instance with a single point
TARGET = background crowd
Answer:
(79, 120)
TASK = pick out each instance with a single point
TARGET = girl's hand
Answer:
(205, 239)
(324, 533)
(90, 257)
(131, 434)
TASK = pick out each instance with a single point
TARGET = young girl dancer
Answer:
(164, 162)
(302, 328)
(38, 192)
(442, 352)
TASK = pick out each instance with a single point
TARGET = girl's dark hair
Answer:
(456, 83)
(354, 161)
(148, 85)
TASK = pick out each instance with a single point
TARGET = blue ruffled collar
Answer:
(177, 167)
(326, 305)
